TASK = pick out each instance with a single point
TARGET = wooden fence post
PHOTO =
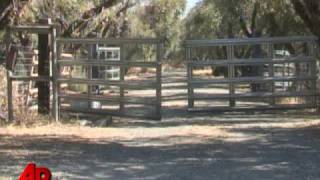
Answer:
(44, 71)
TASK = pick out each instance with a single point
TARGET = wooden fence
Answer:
(26, 72)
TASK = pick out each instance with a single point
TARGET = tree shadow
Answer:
(268, 153)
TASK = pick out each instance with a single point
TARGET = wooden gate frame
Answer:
(231, 80)
(41, 29)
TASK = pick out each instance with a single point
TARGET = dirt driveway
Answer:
(240, 147)
(182, 146)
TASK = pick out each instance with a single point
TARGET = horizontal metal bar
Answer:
(256, 108)
(32, 29)
(128, 100)
(25, 59)
(107, 63)
(129, 85)
(110, 41)
(249, 41)
(251, 61)
(249, 80)
(109, 112)
(29, 78)
(24, 48)
(91, 111)
(252, 95)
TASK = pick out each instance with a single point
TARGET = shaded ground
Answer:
(182, 146)
(221, 147)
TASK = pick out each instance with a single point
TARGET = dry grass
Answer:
(23, 115)
(187, 133)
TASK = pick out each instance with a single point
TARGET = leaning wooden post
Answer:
(44, 71)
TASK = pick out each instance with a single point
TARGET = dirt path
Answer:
(220, 147)
(182, 146)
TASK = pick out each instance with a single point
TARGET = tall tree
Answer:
(309, 11)
(160, 19)
(94, 15)
(11, 11)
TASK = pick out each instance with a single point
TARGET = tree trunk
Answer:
(309, 11)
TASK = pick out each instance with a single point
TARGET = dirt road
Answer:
(182, 146)
(221, 147)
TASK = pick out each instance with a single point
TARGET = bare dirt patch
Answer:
(206, 147)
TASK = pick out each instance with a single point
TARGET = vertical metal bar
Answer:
(159, 81)
(9, 81)
(313, 71)
(10, 96)
(190, 78)
(271, 71)
(231, 75)
(54, 70)
(89, 73)
(122, 79)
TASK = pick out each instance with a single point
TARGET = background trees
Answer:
(161, 19)
(164, 19)
(309, 11)
(248, 18)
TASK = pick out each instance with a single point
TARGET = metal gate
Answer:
(120, 77)
(252, 74)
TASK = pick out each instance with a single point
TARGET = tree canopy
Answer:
(248, 18)
(165, 18)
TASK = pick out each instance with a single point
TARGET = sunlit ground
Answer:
(207, 147)
(182, 146)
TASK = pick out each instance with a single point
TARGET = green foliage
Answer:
(160, 19)
(164, 19)
(233, 18)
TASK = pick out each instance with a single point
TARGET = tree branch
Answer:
(77, 25)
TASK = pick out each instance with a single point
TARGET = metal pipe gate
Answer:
(259, 73)
(105, 93)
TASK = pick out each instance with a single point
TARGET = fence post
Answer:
(190, 78)
(9, 81)
(122, 79)
(44, 71)
(231, 75)
(159, 79)
(313, 71)
(271, 55)
(55, 74)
